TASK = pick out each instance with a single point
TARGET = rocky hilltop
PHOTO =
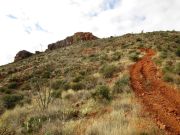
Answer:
(79, 36)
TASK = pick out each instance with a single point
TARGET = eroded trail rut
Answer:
(158, 98)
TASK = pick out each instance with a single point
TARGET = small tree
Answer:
(44, 95)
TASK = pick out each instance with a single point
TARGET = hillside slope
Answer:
(159, 98)
(85, 88)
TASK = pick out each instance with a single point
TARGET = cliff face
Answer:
(79, 36)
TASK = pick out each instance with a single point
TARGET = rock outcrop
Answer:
(38, 52)
(77, 37)
(22, 55)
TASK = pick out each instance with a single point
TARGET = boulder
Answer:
(22, 55)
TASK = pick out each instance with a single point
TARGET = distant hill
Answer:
(81, 84)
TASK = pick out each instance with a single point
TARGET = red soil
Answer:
(158, 98)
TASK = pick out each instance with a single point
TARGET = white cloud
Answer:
(25, 24)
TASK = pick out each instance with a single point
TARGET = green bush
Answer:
(78, 78)
(12, 85)
(168, 78)
(77, 86)
(60, 84)
(46, 74)
(104, 57)
(134, 56)
(102, 92)
(90, 82)
(138, 39)
(94, 57)
(26, 86)
(177, 41)
(57, 93)
(9, 101)
(33, 124)
(116, 56)
(5, 90)
(168, 68)
(158, 61)
(122, 85)
(177, 68)
(108, 70)
(178, 52)
(163, 55)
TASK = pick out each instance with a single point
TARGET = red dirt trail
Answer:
(158, 98)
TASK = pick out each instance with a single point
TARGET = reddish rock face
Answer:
(22, 55)
(84, 36)
(77, 37)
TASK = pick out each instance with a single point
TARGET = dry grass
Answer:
(125, 119)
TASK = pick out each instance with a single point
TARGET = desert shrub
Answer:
(116, 55)
(56, 93)
(108, 70)
(10, 101)
(78, 78)
(168, 78)
(164, 34)
(178, 52)
(5, 90)
(134, 56)
(33, 124)
(6, 131)
(163, 55)
(158, 61)
(90, 82)
(82, 72)
(122, 85)
(14, 78)
(60, 84)
(69, 94)
(26, 86)
(46, 71)
(70, 114)
(138, 39)
(177, 68)
(168, 68)
(26, 100)
(46, 74)
(94, 57)
(77, 86)
(102, 92)
(177, 41)
(12, 85)
(104, 57)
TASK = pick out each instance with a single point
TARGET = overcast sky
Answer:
(30, 24)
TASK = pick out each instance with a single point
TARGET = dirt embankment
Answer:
(158, 98)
